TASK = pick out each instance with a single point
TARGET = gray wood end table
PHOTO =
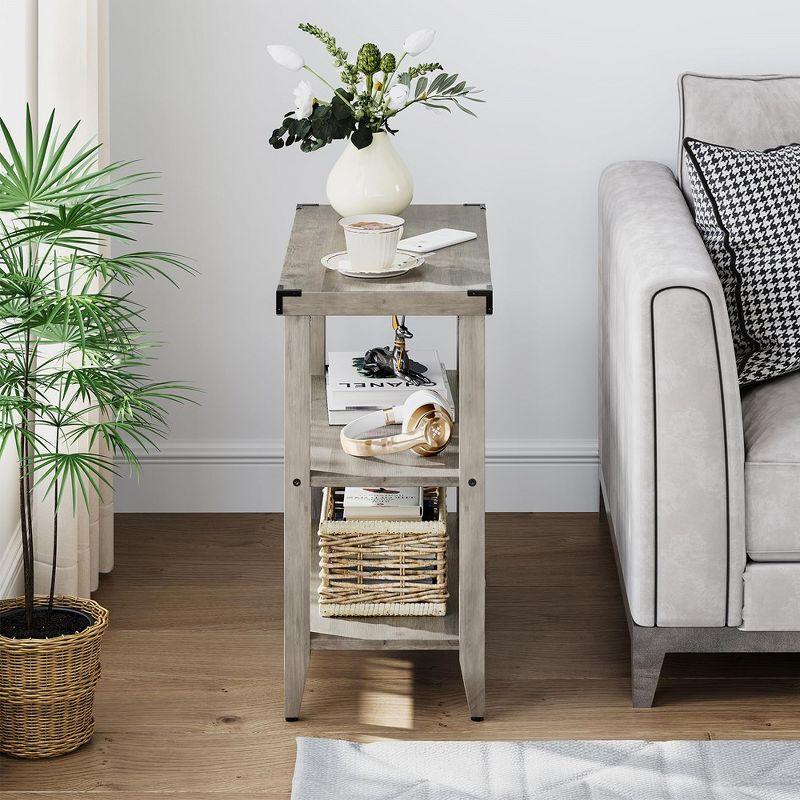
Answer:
(455, 281)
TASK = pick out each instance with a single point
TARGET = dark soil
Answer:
(46, 624)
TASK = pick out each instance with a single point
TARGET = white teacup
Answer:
(372, 241)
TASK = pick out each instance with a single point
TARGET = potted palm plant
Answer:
(72, 395)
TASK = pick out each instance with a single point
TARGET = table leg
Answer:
(471, 511)
(297, 511)
(318, 345)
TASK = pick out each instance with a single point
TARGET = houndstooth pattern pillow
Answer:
(747, 208)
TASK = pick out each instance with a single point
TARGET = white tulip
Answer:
(303, 99)
(419, 41)
(396, 97)
(286, 56)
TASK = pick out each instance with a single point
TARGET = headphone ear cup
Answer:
(418, 399)
(436, 424)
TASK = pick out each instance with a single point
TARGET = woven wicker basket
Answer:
(47, 685)
(383, 568)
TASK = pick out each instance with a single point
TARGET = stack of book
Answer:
(382, 503)
(351, 394)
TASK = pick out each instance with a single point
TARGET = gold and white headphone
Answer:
(427, 427)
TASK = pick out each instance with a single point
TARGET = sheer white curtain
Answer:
(68, 72)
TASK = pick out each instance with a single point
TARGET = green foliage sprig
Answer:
(441, 90)
(339, 55)
(348, 72)
(328, 121)
(424, 69)
(373, 93)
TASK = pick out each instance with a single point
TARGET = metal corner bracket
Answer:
(280, 293)
(488, 294)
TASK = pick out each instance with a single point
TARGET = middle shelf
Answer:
(331, 466)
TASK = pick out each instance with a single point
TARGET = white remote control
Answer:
(435, 240)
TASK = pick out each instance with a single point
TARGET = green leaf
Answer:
(14, 152)
(340, 109)
(420, 87)
(465, 109)
(436, 105)
(447, 83)
(437, 82)
(361, 136)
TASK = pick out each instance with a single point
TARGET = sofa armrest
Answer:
(671, 444)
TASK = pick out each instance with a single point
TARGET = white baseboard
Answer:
(521, 475)
(11, 566)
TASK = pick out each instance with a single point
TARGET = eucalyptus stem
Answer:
(423, 98)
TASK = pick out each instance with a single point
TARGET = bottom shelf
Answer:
(388, 633)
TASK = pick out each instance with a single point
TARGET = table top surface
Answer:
(460, 269)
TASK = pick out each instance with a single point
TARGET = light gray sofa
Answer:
(700, 482)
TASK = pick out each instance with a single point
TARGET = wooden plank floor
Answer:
(190, 701)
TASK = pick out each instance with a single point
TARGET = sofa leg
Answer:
(602, 505)
(646, 661)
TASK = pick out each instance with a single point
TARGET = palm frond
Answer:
(45, 176)
(126, 267)
(77, 472)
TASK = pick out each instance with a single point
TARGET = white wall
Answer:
(570, 87)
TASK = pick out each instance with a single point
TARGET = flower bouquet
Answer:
(373, 92)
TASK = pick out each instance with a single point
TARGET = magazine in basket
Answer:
(382, 503)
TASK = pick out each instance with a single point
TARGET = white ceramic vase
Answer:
(373, 180)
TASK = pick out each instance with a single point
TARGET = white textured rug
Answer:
(331, 769)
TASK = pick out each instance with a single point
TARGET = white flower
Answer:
(419, 41)
(303, 99)
(286, 56)
(396, 97)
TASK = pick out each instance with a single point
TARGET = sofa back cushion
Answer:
(746, 112)
(747, 208)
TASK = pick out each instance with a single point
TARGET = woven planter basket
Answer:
(382, 568)
(47, 685)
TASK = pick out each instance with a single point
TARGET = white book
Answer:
(382, 503)
(358, 406)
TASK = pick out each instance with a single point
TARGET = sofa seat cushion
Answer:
(771, 597)
(771, 419)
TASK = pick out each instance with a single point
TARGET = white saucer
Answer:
(403, 262)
